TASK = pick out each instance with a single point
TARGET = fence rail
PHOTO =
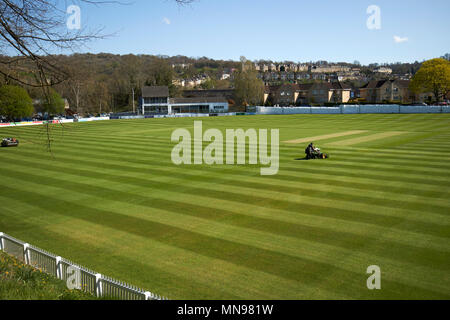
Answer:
(76, 276)
(354, 109)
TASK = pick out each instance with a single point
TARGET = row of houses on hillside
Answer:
(195, 81)
(298, 94)
(382, 91)
(270, 77)
(293, 67)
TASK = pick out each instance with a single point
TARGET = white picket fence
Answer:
(91, 281)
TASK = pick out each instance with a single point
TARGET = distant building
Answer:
(156, 100)
(329, 69)
(182, 65)
(298, 94)
(383, 70)
(283, 95)
(329, 92)
(387, 90)
(179, 82)
(303, 76)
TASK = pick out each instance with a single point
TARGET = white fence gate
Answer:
(88, 280)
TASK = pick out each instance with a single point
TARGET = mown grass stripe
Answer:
(377, 136)
(325, 137)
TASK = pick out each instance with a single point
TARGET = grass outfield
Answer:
(111, 199)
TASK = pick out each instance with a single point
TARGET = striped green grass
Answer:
(109, 198)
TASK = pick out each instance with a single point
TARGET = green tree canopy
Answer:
(208, 84)
(161, 74)
(433, 76)
(15, 103)
(53, 104)
(249, 90)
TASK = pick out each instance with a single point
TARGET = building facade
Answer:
(311, 93)
(387, 91)
(156, 100)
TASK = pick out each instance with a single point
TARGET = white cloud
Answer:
(398, 39)
(166, 20)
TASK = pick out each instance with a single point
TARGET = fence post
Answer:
(98, 285)
(58, 268)
(148, 295)
(1, 241)
(26, 253)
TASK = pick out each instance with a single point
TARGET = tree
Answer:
(161, 74)
(75, 87)
(433, 76)
(249, 90)
(100, 97)
(34, 29)
(208, 84)
(53, 103)
(15, 103)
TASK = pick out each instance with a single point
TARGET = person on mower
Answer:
(310, 150)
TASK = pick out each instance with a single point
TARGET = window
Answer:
(156, 110)
(191, 109)
(155, 100)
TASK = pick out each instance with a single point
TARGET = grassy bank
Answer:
(22, 282)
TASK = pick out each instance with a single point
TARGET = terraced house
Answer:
(387, 91)
(312, 93)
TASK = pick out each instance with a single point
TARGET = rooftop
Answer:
(374, 84)
(155, 91)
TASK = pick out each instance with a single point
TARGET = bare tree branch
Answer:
(32, 31)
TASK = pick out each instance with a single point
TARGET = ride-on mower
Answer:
(9, 142)
(315, 153)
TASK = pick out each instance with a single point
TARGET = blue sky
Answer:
(296, 30)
